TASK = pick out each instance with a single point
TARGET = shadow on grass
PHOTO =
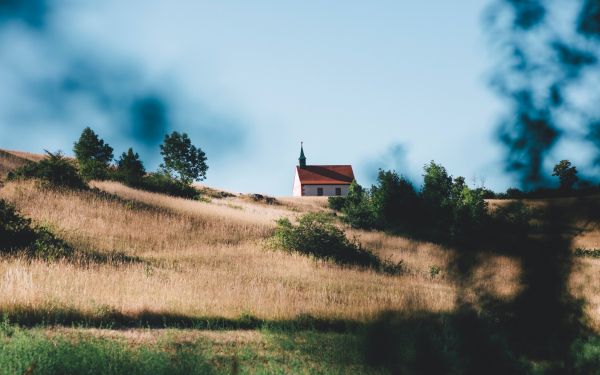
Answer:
(543, 329)
(106, 317)
(19, 237)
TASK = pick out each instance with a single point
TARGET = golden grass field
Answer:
(211, 259)
(205, 259)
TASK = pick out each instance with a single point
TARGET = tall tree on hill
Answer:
(130, 168)
(437, 184)
(93, 155)
(183, 160)
(566, 173)
(395, 200)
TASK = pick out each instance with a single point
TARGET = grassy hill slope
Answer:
(199, 276)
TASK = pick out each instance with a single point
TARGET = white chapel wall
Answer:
(328, 190)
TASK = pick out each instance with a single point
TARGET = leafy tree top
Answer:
(130, 167)
(566, 173)
(182, 159)
(437, 184)
(90, 147)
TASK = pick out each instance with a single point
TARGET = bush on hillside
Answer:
(444, 210)
(336, 202)
(18, 234)
(158, 182)
(316, 235)
(55, 170)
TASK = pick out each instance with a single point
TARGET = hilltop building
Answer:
(321, 180)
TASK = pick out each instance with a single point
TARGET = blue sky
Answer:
(389, 84)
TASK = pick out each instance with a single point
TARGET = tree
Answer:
(437, 185)
(93, 155)
(182, 160)
(130, 168)
(470, 212)
(394, 200)
(358, 208)
(566, 173)
(458, 185)
(438, 205)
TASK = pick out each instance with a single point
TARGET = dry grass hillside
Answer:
(202, 259)
(209, 261)
(10, 160)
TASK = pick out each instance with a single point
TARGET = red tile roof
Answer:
(325, 174)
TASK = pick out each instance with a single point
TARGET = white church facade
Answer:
(321, 180)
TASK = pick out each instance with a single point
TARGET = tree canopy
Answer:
(130, 168)
(181, 159)
(566, 173)
(93, 155)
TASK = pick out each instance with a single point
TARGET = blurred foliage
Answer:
(548, 74)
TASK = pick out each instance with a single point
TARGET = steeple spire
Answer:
(302, 158)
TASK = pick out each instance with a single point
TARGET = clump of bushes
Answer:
(55, 171)
(17, 234)
(316, 235)
(445, 209)
(158, 182)
(183, 164)
(336, 202)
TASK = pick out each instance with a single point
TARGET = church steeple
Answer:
(302, 158)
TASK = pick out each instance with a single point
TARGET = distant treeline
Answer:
(445, 209)
(183, 163)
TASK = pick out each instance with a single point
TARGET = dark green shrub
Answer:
(158, 182)
(395, 202)
(93, 155)
(437, 184)
(487, 193)
(336, 202)
(55, 170)
(130, 169)
(514, 193)
(470, 214)
(358, 209)
(18, 234)
(316, 235)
